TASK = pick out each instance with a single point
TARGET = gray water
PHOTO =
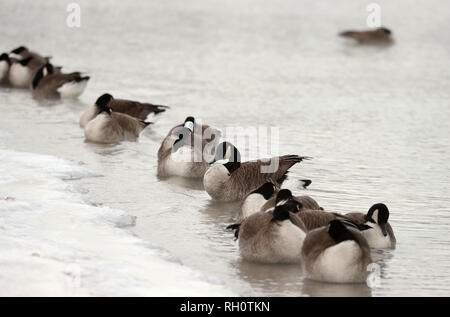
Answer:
(375, 119)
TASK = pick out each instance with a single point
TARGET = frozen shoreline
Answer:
(55, 244)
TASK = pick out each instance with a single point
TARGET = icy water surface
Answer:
(375, 119)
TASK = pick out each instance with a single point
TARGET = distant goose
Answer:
(336, 253)
(23, 52)
(182, 151)
(22, 72)
(52, 85)
(263, 198)
(378, 36)
(5, 64)
(112, 127)
(381, 236)
(228, 179)
(271, 237)
(132, 108)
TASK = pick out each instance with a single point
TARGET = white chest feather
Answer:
(72, 89)
(94, 130)
(252, 204)
(88, 115)
(289, 241)
(375, 237)
(281, 244)
(339, 263)
(215, 178)
(180, 162)
(19, 76)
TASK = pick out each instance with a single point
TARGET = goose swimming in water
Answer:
(382, 235)
(228, 179)
(271, 237)
(132, 108)
(48, 84)
(182, 152)
(112, 127)
(336, 253)
(380, 35)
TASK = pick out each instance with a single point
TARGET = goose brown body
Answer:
(222, 186)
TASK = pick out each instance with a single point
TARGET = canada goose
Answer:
(5, 64)
(182, 152)
(336, 253)
(263, 198)
(21, 72)
(112, 127)
(48, 84)
(24, 52)
(380, 35)
(271, 237)
(381, 236)
(132, 108)
(228, 179)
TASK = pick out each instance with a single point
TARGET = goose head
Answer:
(5, 58)
(20, 50)
(102, 103)
(385, 31)
(182, 134)
(285, 205)
(266, 190)
(378, 214)
(44, 71)
(227, 155)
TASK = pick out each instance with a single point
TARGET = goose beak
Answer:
(383, 229)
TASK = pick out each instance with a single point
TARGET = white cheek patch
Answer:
(375, 237)
(173, 138)
(189, 125)
(223, 162)
(375, 216)
(228, 153)
(182, 155)
(282, 202)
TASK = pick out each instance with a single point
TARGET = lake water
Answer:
(375, 120)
